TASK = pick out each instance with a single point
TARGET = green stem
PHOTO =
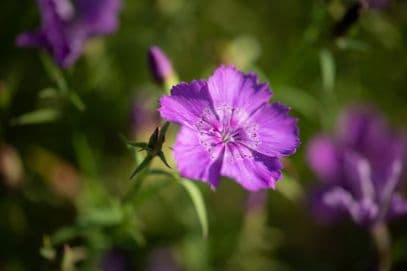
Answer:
(138, 182)
(381, 237)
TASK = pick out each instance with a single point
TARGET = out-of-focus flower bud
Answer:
(11, 169)
(161, 67)
(64, 180)
(62, 177)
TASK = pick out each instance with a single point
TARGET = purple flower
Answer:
(160, 65)
(228, 128)
(361, 170)
(66, 25)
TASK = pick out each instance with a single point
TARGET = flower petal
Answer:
(30, 39)
(362, 212)
(398, 206)
(99, 16)
(366, 132)
(277, 131)
(228, 86)
(186, 104)
(54, 31)
(62, 39)
(254, 171)
(323, 157)
(194, 161)
(66, 26)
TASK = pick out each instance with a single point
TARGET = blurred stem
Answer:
(138, 182)
(381, 236)
(57, 75)
(169, 83)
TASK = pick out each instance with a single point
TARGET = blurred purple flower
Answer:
(114, 260)
(230, 129)
(378, 4)
(67, 24)
(160, 65)
(361, 169)
(162, 259)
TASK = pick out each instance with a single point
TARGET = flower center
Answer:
(228, 135)
(225, 126)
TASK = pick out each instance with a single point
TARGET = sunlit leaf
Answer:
(199, 204)
(163, 159)
(37, 117)
(327, 64)
(103, 216)
(65, 234)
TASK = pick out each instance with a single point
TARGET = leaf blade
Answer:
(199, 204)
(36, 117)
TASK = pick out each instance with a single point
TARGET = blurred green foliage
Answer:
(64, 208)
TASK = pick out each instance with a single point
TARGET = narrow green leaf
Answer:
(103, 216)
(37, 117)
(154, 137)
(66, 234)
(161, 172)
(327, 64)
(163, 159)
(141, 145)
(199, 204)
(164, 130)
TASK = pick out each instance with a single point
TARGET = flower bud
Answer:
(160, 66)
